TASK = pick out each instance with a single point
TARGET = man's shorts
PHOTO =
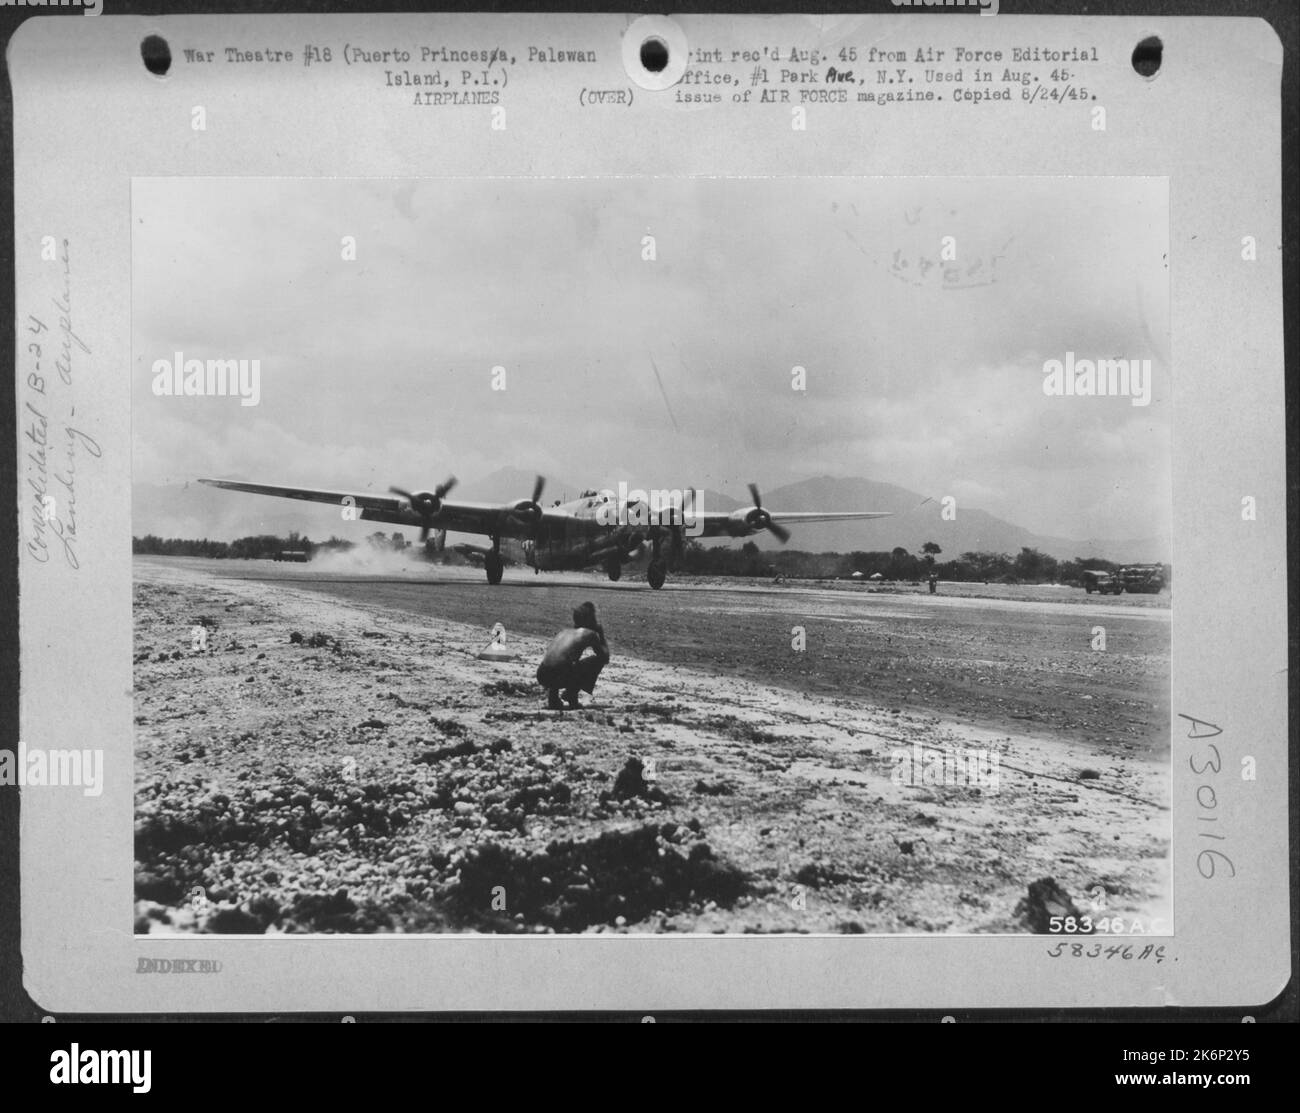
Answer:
(582, 675)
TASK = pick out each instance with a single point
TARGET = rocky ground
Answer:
(315, 764)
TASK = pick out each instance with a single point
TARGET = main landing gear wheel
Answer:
(656, 574)
(613, 568)
(494, 566)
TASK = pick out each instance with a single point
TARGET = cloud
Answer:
(921, 370)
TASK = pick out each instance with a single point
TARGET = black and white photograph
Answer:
(651, 555)
(649, 518)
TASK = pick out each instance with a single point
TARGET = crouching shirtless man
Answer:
(565, 667)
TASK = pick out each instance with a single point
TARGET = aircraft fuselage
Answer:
(582, 541)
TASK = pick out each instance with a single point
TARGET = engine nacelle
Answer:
(743, 522)
(527, 511)
(425, 503)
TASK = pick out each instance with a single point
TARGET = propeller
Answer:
(532, 508)
(426, 503)
(761, 519)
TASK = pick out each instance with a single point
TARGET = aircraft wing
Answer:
(743, 523)
(503, 519)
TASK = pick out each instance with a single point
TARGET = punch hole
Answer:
(1147, 56)
(654, 54)
(157, 55)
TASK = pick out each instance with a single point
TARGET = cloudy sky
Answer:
(671, 372)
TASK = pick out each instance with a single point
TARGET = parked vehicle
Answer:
(1102, 582)
(1142, 579)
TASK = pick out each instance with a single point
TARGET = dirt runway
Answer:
(1009, 659)
(371, 774)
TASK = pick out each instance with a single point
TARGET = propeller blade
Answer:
(442, 489)
(764, 519)
(425, 503)
(531, 509)
(424, 535)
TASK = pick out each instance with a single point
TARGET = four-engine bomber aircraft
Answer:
(583, 533)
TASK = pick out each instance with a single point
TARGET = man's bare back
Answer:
(564, 666)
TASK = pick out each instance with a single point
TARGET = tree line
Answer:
(264, 546)
(1029, 566)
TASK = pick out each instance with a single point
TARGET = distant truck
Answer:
(1142, 579)
(1102, 582)
(294, 555)
(1136, 579)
